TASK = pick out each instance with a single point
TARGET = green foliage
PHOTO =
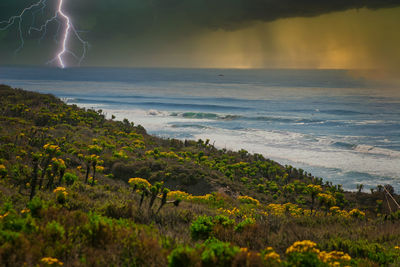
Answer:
(54, 230)
(13, 225)
(95, 149)
(35, 206)
(45, 144)
(218, 253)
(70, 178)
(182, 256)
(223, 220)
(243, 224)
(305, 259)
(364, 249)
(202, 227)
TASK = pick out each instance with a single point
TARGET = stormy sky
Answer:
(218, 33)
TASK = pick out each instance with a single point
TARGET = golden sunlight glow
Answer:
(352, 39)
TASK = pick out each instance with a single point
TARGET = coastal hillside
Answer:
(78, 189)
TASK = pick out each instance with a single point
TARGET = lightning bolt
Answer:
(59, 17)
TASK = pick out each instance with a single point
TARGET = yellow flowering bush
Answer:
(306, 253)
(288, 208)
(326, 199)
(95, 149)
(248, 200)
(356, 213)
(275, 209)
(61, 190)
(51, 261)
(94, 157)
(139, 144)
(59, 163)
(271, 257)
(120, 154)
(61, 194)
(178, 195)
(314, 188)
(136, 135)
(336, 211)
(303, 246)
(205, 198)
(51, 148)
(4, 215)
(99, 169)
(334, 257)
(188, 197)
(139, 183)
(234, 211)
(157, 154)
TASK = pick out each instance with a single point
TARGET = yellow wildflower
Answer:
(139, 182)
(314, 188)
(357, 213)
(25, 211)
(178, 194)
(333, 257)
(51, 148)
(4, 215)
(99, 168)
(327, 198)
(248, 200)
(244, 250)
(272, 256)
(303, 246)
(51, 261)
(61, 190)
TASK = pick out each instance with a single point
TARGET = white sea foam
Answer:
(288, 146)
(291, 146)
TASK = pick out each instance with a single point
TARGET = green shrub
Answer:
(243, 224)
(218, 253)
(70, 178)
(305, 259)
(223, 220)
(12, 224)
(35, 206)
(182, 256)
(98, 230)
(55, 230)
(202, 227)
(363, 249)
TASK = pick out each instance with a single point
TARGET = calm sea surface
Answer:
(331, 123)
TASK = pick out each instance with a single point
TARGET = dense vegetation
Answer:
(77, 189)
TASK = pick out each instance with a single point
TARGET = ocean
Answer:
(335, 124)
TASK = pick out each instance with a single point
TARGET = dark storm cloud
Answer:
(120, 30)
(139, 16)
